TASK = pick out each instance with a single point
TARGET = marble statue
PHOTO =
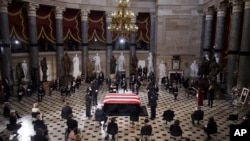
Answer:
(194, 69)
(25, 69)
(150, 63)
(121, 62)
(162, 71)
(97, 62)
(76, 67)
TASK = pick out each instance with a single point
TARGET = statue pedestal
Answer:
(122, 74)
(66, 79)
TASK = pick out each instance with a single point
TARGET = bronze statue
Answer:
(44, 68)
(66, 62)
(134, 62)
(113, 65)
(19, 72)
(90, 68)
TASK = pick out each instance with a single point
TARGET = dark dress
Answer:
(6, 111)
(13, 124)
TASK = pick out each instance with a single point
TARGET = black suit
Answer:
(88, 104)
(72, 125)
(112, 129)
(66, 111)
(197, 115)
(124, 85)
(146, 130)
(168, 115)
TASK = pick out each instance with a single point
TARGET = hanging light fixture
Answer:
(122, 23)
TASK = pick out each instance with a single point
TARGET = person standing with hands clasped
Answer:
(153, 104)
(88, 100)
(210, 95)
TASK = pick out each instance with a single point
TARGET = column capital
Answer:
(109, 16)
(59, 12)
(237, 5)
(209, 13)
(247, 4)
(32, 9)
(4, 5)
(221, 9)
(84, 14)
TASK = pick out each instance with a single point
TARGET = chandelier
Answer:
(122, 20)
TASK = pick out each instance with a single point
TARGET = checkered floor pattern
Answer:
(90, 131)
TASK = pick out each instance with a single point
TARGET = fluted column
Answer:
(220, 28)
(59, 40)
(34, 62)
(234, 44)
(84, 32)
(4, 31)
(208, 30)
(152, 38)
(108, 44)
(132, 47)
(244, 60)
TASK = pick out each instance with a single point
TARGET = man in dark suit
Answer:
(124, 85)
(88, 100)
(153, 104)
(66, 111)
(132, 83)
(146, 130)
(198, 115)
(72, 124)
(112, 129)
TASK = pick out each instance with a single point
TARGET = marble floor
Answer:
(90, 130)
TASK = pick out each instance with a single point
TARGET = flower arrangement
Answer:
(235, 92)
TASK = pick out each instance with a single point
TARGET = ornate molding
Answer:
(32, 9)
(3, 5)
(59, 12)
(84, 14)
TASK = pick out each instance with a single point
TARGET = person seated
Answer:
(134, 115)
(7, 109)
(146, 130)
(210, 128)
(66, 111)
(39, 124)
(40, 136)
(112, 129)
(100, 116)
(246, 120)
(35, 110)
(13, 125)
(198, 115)
(175, 129)
(72, 124)
(168, 115)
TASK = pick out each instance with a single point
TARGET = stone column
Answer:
(59, 41)
(152, 38)
(220, 28)
(108, 44)
(132, 47)
(208, 30)
(84, 31)
(234, 45)
(4, 34)
(34, 59)
(202, 32)
(244, 60)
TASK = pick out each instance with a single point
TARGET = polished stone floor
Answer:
(90, 130)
